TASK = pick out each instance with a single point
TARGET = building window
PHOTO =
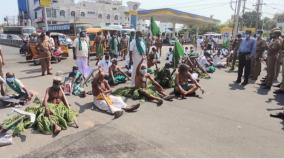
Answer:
(91, 12)
(108, 16)
(83, 14)
(116, 17)
(48, 12)
(73, 13)
(62, 13)
(54, 15)
(35, 15)
(114, 8)
(100, 16)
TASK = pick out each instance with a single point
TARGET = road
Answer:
(227, 121)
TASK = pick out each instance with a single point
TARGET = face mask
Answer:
(257, 35)
(143, 71)
(75, 71)
(11, 79)
(140, 38)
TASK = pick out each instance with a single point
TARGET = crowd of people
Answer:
(140, 59)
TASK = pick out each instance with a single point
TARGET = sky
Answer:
(220, 9)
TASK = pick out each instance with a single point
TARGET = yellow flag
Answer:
(45, 3)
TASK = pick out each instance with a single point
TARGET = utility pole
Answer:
(237, 17)
(258, 5)
(243, 12)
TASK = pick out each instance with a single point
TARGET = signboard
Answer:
(23, 6)
(59, 27)
(133, 21)
(45, 3)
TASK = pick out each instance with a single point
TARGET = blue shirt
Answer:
(247, 46)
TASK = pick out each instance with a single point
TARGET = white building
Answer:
(96, 12)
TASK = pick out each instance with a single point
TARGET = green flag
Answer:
(178, 53)
(154, 27)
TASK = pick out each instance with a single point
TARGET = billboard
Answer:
(23, 6)
(45, 3)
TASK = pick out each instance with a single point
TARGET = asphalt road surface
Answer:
(227, 121)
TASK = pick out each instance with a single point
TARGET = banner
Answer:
(45, 3)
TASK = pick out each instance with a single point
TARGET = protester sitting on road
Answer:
(147, 89)
(205, 64)
(116, 75)
(106, 102)
(75, 81)
(17, 86)
(104, 64)
(185, 84)
(55, 97)
(217, 60)
(153, 59)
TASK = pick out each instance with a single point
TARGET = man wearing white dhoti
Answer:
(106, 102)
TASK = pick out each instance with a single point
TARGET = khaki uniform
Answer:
(278, 62)
(273, 53)
(282, 52)
(261, 46)
(235, 47)
(44, 55)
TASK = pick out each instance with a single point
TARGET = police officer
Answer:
(235, 48)
(261, 46)
(281, 85)
(273, 52)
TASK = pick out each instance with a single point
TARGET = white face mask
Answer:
(257, 35)
(11, 79)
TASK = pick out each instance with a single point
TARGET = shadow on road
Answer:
(30, 77)
(32, 71)
(278, 98)
(262, 91)
(235, 86)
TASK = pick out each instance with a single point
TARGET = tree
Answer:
(249, 19)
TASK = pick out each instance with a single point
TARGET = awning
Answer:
(94, 30)
(175, 16)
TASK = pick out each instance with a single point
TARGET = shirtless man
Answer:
(116, 75)
(153, 58)
(124, 46)
(100, 45)
(106, 102)
(141, 83)
(159, 44)
(55, 95)
(149, 43)
(185, 84)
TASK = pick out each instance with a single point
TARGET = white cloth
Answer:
(51, 42)
(203, 62)
(82, 64)
(170, 57)
(217, 60)
(194, 76)
(117, 104)
(105, 66)
(85, 48)
(136, 57)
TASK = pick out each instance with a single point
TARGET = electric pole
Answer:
(237, 17)
(243, 12)
(258, 13)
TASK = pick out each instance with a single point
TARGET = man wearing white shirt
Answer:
(81, 51)
(137, 52)
(104, 64)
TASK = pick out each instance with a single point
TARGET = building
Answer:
(97, 12)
